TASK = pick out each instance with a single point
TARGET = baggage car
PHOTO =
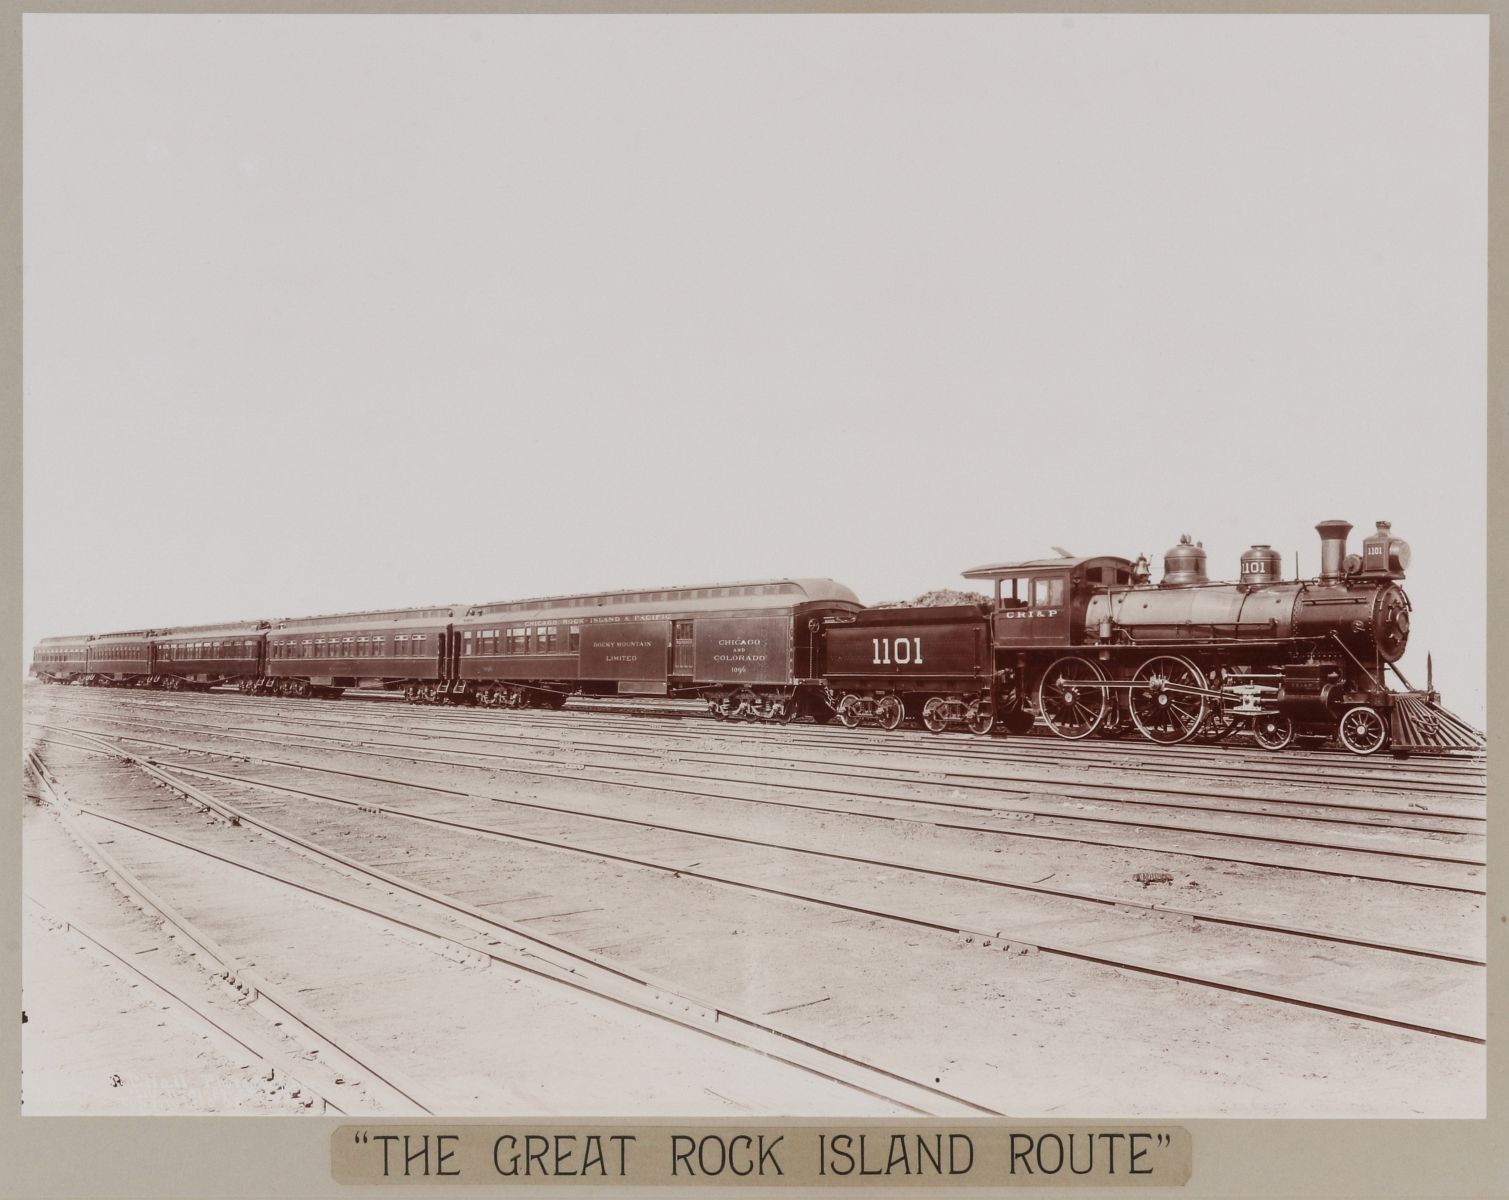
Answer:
(748, 649)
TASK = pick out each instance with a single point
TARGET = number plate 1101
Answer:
(900, 651)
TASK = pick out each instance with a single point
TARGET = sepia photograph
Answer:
(755, 566)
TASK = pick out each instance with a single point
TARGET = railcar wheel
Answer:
(848, 711)
(891, 712)
(982, 720)
(1071, 697)
(1167, 699)
(932, 715)
(1363, 730)
(1273, 732)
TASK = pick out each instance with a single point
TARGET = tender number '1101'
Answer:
(900, 651)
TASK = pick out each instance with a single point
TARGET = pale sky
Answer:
(350, 312)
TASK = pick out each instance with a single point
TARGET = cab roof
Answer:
(1001, 570)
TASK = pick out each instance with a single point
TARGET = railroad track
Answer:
(1042, 746)
(1082, 950)
(340, 1055)
(660, 773)
(550, 960)
(128, 964)
(780, 754)
(1321, 769)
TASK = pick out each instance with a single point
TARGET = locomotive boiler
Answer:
(1359, 605)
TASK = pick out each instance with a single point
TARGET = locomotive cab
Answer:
(1042, 602)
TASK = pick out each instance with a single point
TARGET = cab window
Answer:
(1048, 592)
(1015, 592)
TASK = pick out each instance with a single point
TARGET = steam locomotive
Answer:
(1091, 646)
(1085, 647)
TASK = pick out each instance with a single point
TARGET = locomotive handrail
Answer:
(1408, 686)
(1132, 640)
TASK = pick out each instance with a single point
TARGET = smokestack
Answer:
(1333, 548)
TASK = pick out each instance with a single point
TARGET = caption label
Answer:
(802, 1156)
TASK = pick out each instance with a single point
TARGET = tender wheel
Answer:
(848, 711)
(982, 720)
(890, 712)
(1167, 699)
(1070, 698)
(1363, 730)
(1273, 732)
(932, 715)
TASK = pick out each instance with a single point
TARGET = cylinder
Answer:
(1333, 548)
(1262, 564)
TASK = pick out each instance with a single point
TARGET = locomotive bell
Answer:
(1262, 564)
(1184, 565)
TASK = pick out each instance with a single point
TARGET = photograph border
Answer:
(233, 1157)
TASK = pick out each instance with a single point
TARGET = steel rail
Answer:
(1040, 741)
(900, 775)
(338, 1046)
(839, 1068)
(660, 773)
(1103, 901)
(933, 746)
(201, 1012)
(1007, 941)
(1185, 759)
(782, 744)
(972, 781)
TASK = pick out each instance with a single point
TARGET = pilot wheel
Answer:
(1362, 730)
(1273, 732)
